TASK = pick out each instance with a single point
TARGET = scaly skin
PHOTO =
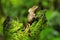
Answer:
(31, 14)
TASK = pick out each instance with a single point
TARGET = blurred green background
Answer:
(15, 13)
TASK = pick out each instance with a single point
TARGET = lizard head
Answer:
(33, 9)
